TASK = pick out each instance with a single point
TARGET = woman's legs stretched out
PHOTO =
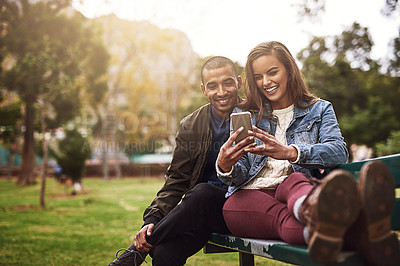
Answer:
(292, 191)
(257, 214)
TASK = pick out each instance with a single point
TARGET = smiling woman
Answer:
(269, 180)
(271, 78)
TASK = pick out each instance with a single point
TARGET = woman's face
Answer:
(271, 78)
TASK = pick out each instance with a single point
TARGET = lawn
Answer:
(86, 229)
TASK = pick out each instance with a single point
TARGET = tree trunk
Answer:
(45, 156)
(27, 176)
(116, 156)
(117, 166)
(104, 151)
(13, 150)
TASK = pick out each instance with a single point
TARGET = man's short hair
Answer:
(217, 62)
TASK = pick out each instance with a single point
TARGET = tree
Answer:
(390, 7)
(364, 93)
(71, 156)
(391, 146)
(149, 81)
(363, 97)
(310, 9)
(10, 113)
(334, 73)
(46, 51)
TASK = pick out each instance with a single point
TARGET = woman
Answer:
(296, 134)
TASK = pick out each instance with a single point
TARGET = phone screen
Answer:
(242, 119)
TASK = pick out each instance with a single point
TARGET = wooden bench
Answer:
(295, 254)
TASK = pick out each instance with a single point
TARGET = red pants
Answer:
(268, 214)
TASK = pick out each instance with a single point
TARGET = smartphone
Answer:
(242, 119)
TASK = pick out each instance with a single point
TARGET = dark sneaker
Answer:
(130, 257)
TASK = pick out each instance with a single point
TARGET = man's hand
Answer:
(140, 238)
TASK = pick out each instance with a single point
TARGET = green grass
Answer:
(86, 229)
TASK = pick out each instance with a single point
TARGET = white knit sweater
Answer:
(275, 171)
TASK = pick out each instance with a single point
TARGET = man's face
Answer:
(221, 88)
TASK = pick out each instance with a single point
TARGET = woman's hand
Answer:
(272, 147)
(229, 155)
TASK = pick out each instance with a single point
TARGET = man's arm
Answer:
(176, 184)
(177, 181)
(187, 160)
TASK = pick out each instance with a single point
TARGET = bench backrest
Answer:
(393, 162)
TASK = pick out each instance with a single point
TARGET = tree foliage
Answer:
(364, 98)
(150, 82)
(10, 113)
(310, 9)
(390, 146)
(45, 52)
(72, 153)
(390, 7)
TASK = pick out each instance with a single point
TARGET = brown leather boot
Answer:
(329, 209)
(371, 233)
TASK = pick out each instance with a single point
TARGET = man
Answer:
(173, 232)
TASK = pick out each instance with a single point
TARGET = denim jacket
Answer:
(313, 129)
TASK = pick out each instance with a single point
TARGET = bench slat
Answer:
(392, 161)
(277, 250)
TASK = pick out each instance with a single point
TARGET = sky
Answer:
(232, 28)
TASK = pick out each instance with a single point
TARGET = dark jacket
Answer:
(186, 170)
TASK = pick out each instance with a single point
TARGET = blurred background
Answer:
(97, 88)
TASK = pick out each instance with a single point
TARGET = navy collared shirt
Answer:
(220, 134)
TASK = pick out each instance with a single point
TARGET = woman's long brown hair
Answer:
(296, 85)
